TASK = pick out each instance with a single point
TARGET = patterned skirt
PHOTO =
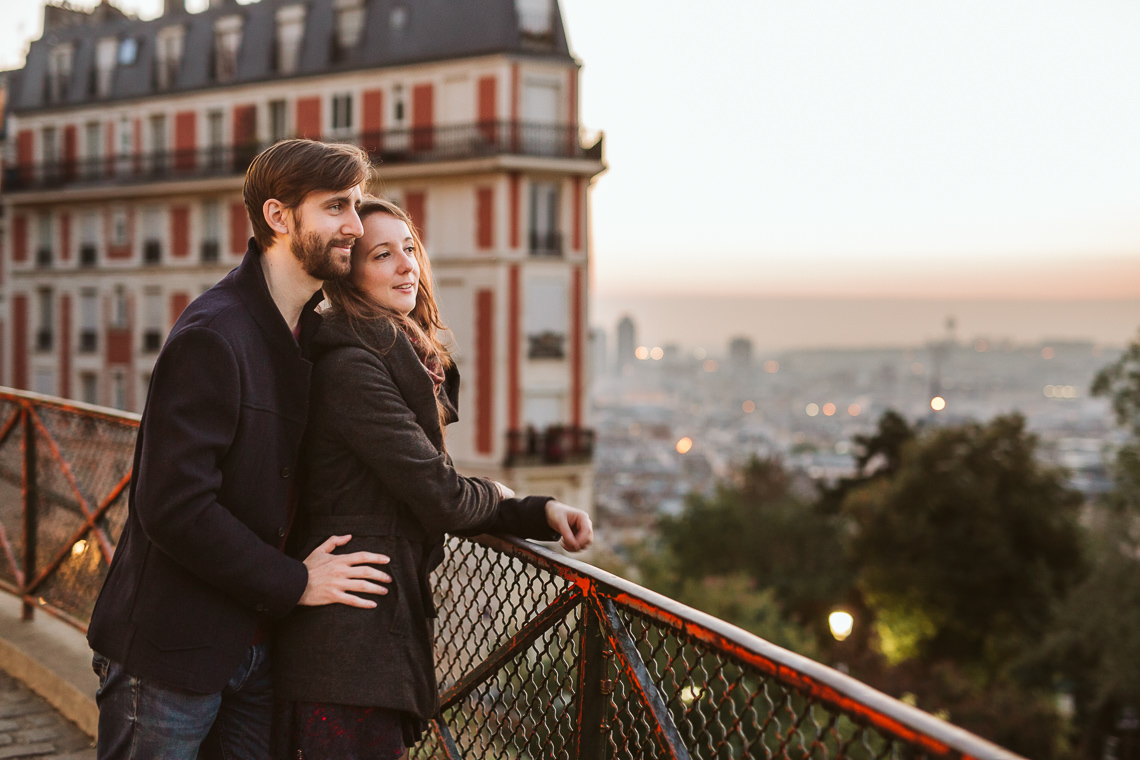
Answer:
(323, 731)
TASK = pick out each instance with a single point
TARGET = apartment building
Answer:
(126, 146)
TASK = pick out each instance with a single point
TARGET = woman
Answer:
(361, 682)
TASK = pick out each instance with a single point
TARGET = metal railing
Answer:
(393, 146)
(539, 656)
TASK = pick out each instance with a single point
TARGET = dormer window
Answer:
(168, 57)
(106, 52)
(128, 51)
(227, 41)
(536, 20)
(349, 25)
(59, 72)
(290, 30)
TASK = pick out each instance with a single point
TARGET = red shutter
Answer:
(484, 218)
(309, 117)
(484, 371)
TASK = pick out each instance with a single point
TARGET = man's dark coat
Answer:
(197, 565)
(377, 470)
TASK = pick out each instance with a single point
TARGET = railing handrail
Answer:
(52, 431)
(796, 670)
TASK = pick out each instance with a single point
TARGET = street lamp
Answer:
(841, 624)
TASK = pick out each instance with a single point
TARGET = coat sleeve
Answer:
(374, 421)
(192, 415)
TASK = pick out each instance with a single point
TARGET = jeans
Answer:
(143, 720)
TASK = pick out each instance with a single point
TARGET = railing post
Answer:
(31, 500)
(594, 688)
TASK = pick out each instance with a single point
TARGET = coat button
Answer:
(281, 533)
(286, 472)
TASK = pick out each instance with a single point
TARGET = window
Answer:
(398, 106)
(89, 388)
(211, 230)
(169, 55)
(128, 51)
(278, 120)
(50, 152)
(88, 322)
(342, 114)
(215, 138)
(92, 149)
(59, 72)
(119, 226)
(152, 235)
(126, 147)
(119, 308)
(290, 30)
(44, 240)
(152, 320)
(545, 239)
(227, 40)
(118, 389)
(547, 317)
(46, 332)
(106, 51)
(349, 23)
(44, 381)
(88, 238)
(158, 151)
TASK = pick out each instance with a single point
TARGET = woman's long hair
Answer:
(422, 325)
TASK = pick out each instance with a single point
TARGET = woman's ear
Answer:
(276, 215)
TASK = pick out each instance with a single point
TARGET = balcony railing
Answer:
(545, 243)
(557, 444)
(539, 655)
(394, 146)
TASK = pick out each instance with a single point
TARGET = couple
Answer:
(284, 457)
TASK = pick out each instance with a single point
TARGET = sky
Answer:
(905, 149)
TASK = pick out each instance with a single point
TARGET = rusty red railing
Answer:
(540, 656)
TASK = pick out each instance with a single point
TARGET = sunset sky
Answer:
(956, 149)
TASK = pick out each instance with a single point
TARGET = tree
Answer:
(964, 552)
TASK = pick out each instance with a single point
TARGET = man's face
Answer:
(325, 226)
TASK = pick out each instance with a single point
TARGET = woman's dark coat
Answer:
(376, 469)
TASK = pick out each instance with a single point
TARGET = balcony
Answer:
(557, 444)
(546, 345)
(88, 341)
(152, 341)
(43, 257)
(45, 339)
(209, 251)
(88, 257)
(539, 655)
(545, 243)
(394, 146)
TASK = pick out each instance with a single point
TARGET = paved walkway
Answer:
(30, 727)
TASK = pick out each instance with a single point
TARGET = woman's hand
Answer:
(505, 492)
(572, 524)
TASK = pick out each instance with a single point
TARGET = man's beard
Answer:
(317, 257)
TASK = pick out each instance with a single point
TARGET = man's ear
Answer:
(276, 215)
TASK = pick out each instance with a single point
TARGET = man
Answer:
(179, 630)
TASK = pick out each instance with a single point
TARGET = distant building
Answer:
(131, 139)
(740, 353)
(626, 342)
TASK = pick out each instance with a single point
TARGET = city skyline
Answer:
(885, 150)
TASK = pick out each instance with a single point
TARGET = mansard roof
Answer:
(420, 31)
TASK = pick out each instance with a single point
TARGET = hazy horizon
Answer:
(781, 323)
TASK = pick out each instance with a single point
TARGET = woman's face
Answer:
(384, 265)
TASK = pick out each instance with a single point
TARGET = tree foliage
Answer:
(964, 552)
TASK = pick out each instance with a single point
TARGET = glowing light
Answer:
(938, 403)
(1047, 352)
(749, 407)
(771, 366)
(685, 445)
(641, 353)
(828, 409)
(710, 365)
(78, 547)
(812, 409)
(656, 353)
(841, 624)
(690, 694)
(854, 410)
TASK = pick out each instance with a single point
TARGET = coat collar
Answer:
(254, 293)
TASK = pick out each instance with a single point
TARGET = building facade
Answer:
(126, 146)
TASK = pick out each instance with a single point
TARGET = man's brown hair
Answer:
(291, 169)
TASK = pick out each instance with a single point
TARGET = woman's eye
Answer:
(410, 249)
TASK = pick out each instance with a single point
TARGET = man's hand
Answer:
(572, 523)
(333, 576)
(505, 492)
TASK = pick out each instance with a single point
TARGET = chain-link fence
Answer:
(539, 656)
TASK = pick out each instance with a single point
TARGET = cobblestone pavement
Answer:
(30, 727)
